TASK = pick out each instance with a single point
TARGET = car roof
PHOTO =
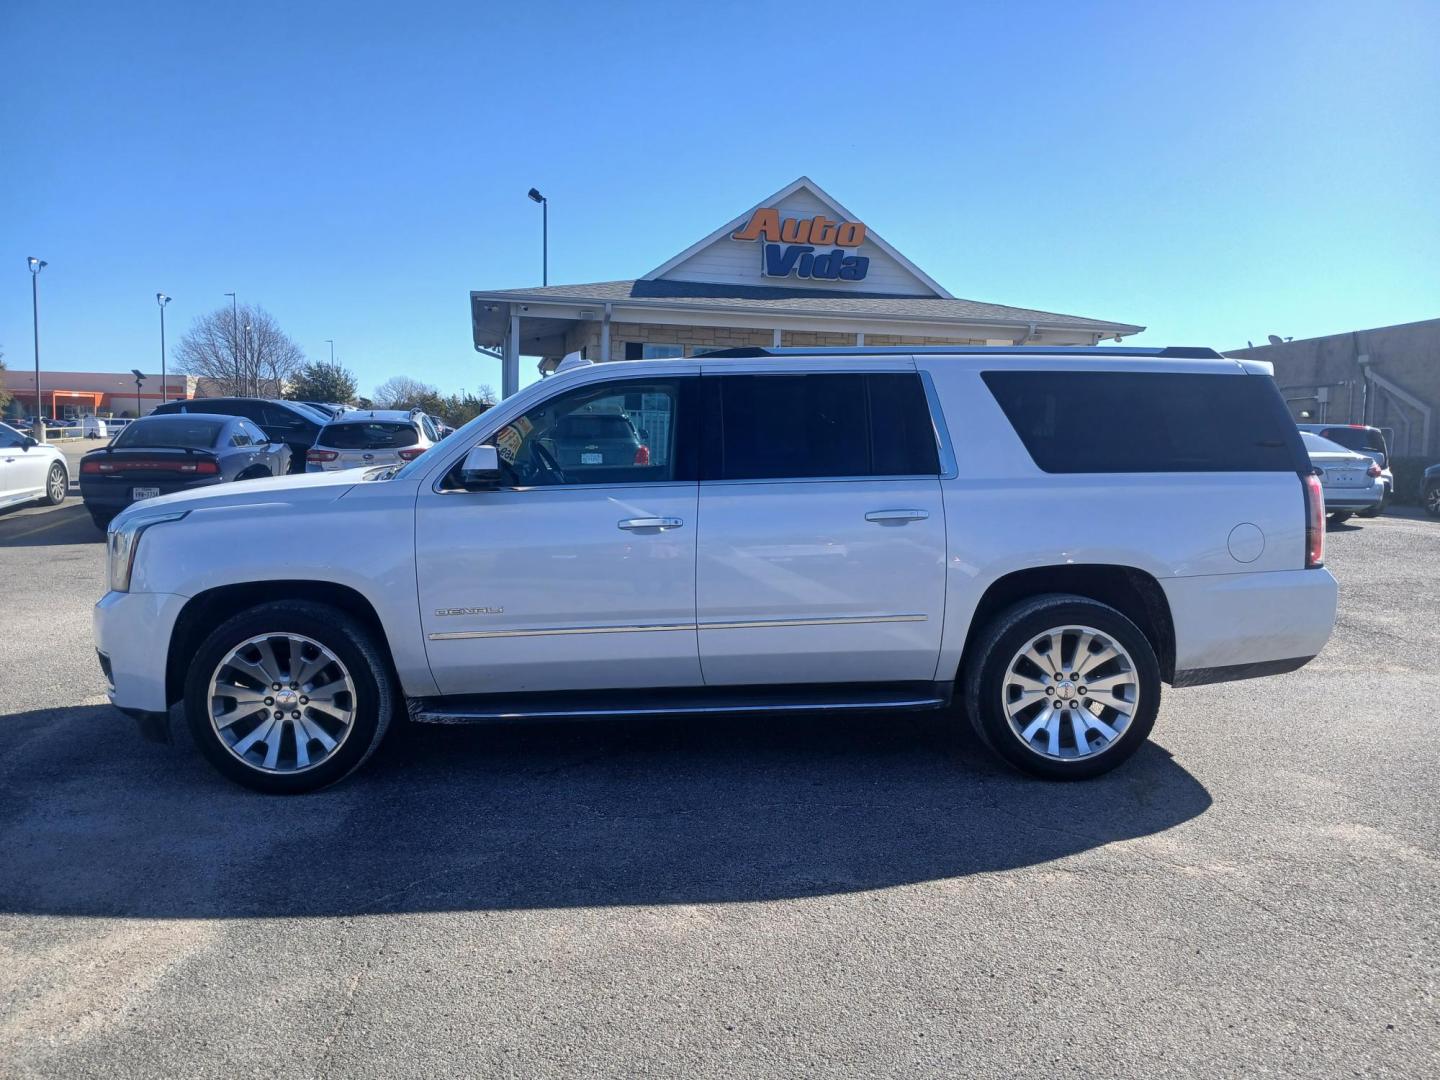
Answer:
(222, 418)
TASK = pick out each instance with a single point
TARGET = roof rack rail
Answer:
(1172, 352)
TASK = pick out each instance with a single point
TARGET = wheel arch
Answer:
(1135, 593)
(206, 610)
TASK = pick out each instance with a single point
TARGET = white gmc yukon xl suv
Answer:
(1043, 536)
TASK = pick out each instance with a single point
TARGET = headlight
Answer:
(121, 541)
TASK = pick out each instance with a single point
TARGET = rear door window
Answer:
(1137, 422)
(768, 427)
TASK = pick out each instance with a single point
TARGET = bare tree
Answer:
(243, 354)
(403, 392)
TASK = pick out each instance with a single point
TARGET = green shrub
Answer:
(1409, 476)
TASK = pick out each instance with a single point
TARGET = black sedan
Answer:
(157, 455)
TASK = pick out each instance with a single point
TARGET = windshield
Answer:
(173, 432)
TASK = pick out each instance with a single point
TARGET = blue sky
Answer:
(1216, 172)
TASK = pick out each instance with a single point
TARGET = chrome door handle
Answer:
(661, 523)
(883, 516)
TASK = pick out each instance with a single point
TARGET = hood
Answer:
(290, 490)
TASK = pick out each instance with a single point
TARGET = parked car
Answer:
(30, 470)
(331, 409)
(159, 455)
(371, 437)
(1366, 440)
(94, 427)
(291, 422)
(802, 535)
(595, 440)
(1352, 482)
(1430, 492)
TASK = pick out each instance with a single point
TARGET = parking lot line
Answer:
(32, 532)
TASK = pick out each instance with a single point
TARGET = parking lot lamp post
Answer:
(235, 337)
(535, 196)
(139, 378)
(331, 343)
(162, 300)
(36, 265)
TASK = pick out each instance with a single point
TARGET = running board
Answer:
(607, 704)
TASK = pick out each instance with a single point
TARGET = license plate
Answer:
(144, 493)
(592, 459)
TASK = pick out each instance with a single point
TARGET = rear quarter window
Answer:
(1137, 422)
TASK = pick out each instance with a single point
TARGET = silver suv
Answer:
(373, 437)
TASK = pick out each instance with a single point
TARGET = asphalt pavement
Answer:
(1255, 893)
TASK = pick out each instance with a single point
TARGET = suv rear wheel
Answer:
(1432, 499)
(289, 696)
(1063, 687)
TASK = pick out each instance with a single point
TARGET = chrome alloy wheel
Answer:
(1070, 693)
(282, 703)
(57, 485)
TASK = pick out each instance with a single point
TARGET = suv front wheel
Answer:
(289, 696)
(1063, 687)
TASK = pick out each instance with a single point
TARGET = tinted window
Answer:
(9, 436)
(902, 435)
(275, 418)
(808, 426)
(1096, 422)
(371, 435)
(169, 431)
(1362, 440)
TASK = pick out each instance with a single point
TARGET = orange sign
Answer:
(765, 224)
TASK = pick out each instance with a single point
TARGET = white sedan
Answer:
(30, 470)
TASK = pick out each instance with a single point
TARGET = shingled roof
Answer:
(801, 302)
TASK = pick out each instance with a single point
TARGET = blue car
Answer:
(160, 454)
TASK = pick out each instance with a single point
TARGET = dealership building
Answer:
(796, 269)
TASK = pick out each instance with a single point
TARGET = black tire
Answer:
(255, 473)
(990, 656)
(56, 477)
(1376, 511)
(1431, 499)
(1338, 517)
(377, 695)
(102, 521)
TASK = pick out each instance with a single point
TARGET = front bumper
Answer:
(132, 631)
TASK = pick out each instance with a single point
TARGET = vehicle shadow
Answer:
(95, 822)
(68, 523)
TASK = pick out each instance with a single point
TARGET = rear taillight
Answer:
(642, 455)
(411, 453)
(1374, 470)
(202, 468)
(1314, 521)
(321, 455)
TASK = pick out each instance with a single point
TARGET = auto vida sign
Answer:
(794, 247)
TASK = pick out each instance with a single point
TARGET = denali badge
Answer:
(469, 611)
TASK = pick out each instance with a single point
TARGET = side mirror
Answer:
(481, 469)
(27, 442)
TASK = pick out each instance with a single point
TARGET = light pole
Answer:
(331, 343)
(162, 300)
(139, 378)
(235, 338)
(36, 265)
(535, 196)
